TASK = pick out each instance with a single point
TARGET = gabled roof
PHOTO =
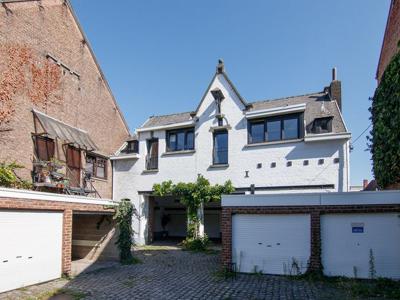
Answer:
(155, 121)
(69, 5)
(317, 105)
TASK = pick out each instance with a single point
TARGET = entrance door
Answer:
(74, 166)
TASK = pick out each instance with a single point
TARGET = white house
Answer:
(293, 144)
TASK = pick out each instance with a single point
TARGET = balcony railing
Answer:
(151, 162)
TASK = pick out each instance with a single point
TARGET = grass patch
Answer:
(132, 261)
(224, 274)
(382, 288)
(76, 295)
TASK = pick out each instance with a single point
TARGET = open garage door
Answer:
(30, 248)
(347, 241)
(271, 244)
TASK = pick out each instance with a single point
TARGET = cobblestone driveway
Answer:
(169, 273)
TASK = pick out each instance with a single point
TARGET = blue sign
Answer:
(357, 229)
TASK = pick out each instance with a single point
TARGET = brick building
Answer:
(391, 39)
(58, 116)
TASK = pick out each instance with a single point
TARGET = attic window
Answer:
(131, 147)
(322, 125)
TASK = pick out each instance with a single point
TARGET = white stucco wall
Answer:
(130, 178)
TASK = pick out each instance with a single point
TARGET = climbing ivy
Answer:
(123, 216)
(193, 195)
(384, 139)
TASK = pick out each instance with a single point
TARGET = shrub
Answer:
(8, 177)
(198, 244)
(123, 217)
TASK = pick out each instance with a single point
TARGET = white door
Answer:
(271, 244)
(347, 241)
(30, 248)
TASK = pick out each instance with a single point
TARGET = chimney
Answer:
(220, 66)
(335, 89)
(365, 183)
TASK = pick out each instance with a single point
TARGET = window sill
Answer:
(273, 143)
(216, 128)
(171, 153)
(219, 166)
(150, 171)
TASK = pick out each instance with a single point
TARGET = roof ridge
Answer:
(283, 98)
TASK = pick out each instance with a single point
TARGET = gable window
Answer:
(286, 127)
(179, 140)
(322, 125)
(220, 150)
(96, 165)
(44, 148)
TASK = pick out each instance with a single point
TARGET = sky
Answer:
(159, 56)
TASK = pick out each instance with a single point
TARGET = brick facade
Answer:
(67, 208)
(74, 90)
(391, 39)
(315, 214)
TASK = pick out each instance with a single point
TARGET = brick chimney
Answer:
(335, 89)
(365, 183)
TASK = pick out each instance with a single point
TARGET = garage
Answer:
(31, 246)
(271, 244)
(347, 241)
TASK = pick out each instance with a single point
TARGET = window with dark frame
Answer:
(220, 150)
(322, 125)
(286, 127)
(180, 139)
(44, 148)
(96, 165)
(131, 147)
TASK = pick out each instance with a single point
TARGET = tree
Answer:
(194, 195)
(384, 139)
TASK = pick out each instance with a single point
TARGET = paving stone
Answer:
(174, 274)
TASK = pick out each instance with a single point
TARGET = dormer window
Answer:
(131, 147)
(322, 125)
(277, 128)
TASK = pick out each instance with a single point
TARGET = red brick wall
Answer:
(315, 213)
(28, 79)
(67, 208)
(391, 38)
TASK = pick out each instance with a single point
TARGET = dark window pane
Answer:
(257, 132)
(172, 142)
(220, 147)
(89, 167)
(189, 140)
(290, 128)
(273, 130)
(322, 125)
(180, 140)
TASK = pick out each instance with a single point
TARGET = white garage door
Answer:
(347, 240)
(30, 248)
(272, 244)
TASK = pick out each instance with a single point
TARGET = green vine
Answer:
(123, 216)
(193, 195)
(384, 139)
(8, 177)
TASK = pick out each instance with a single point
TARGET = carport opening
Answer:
(169, 220)
(93, 240)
